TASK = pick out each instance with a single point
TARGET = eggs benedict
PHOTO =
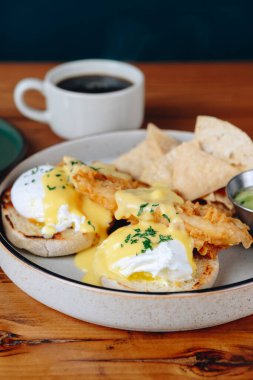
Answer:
(153, 253)
(128, 235)
(44, 214)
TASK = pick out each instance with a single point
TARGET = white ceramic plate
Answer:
(56, 282)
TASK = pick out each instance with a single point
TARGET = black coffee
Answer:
(94, 84)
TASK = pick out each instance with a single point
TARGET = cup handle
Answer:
(19, 92)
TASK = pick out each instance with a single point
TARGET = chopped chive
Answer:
(142, 208)
(90, 224)
(51, 188)
(164, 238)
(96, 169)
(166, 217)
(34, 171)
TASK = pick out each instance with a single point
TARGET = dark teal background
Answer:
(127, 30)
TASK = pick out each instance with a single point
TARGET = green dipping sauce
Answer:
(245, 197)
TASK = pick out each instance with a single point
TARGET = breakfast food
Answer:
(44, 214)
(155, 146)
(154, 221)
(201, 166)
(225, 141)
(98, 182)
(167, 245)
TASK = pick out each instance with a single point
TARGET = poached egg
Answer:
(147, 250)
(44, 195)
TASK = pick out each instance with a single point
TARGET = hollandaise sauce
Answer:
(146, 250)
(65, 207)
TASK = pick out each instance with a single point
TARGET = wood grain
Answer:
(39, 343)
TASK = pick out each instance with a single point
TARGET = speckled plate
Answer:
(56, 282)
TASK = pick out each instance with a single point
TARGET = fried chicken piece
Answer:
(212, 229)
(99, 181)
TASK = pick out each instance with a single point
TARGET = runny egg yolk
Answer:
(136, 239)
(58, 192)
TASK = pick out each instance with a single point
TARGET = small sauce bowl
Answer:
(236, 184)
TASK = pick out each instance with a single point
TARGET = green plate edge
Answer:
(17, 138)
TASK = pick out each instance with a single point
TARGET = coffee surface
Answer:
(94, 84)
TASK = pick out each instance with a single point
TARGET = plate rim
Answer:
(11, 249)
(22, 149)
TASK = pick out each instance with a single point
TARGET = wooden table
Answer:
(39, 343)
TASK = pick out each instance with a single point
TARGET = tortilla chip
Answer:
(219, 196)
(160, 171)
(164, 141)
(196, 173)
(144, 154)
(138, 158)
(225, 141)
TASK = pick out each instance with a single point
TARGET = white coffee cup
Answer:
(74, 114)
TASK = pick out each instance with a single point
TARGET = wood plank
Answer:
(36, 337)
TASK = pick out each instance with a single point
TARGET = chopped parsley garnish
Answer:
(142, 208)
(146, 245)
(164, 238)
(51, 188)
(63, 187)
(143, 236)
(90, 224)
(150, 231)
(166, 217)
(58, 175)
